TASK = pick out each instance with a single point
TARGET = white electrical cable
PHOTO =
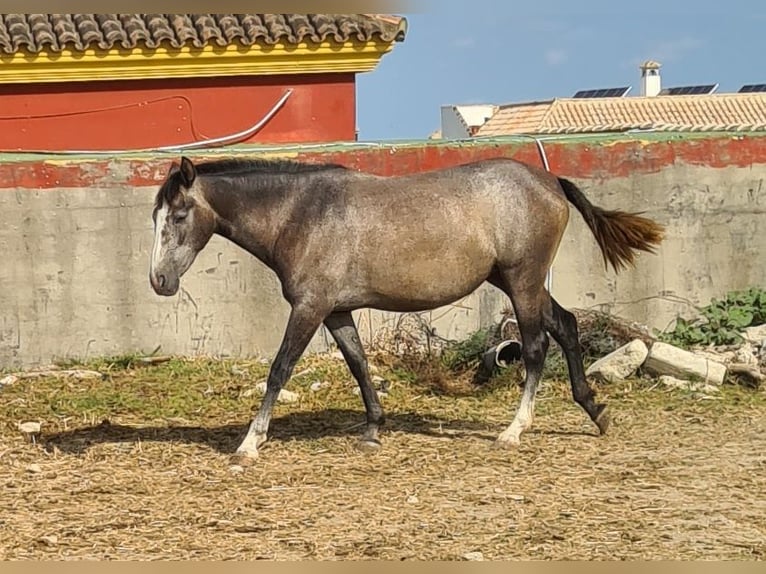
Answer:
(213, 142)
(544, 157)
(233, 138)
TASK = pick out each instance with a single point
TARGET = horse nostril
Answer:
(161, 281)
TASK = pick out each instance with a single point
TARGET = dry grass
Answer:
(137, 467)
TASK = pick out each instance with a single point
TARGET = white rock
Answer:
(718, 356)
(318, 385)
(285, 396)
(50, 540)
(9, 380)
(412, 499)
(30, 427)
(620, 363)
(746, 354)
(698, 387)
(288, 396)
(381, 394)
(235, 468)
(35, 468)
(474, 556)
(755, 335)
(664, 359)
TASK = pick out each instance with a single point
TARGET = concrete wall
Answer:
(76, 232)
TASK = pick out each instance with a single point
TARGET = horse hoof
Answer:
(506, 444)
(368, 446)
(244, 458)
(603, 420)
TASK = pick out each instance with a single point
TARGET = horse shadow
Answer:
(302, 426)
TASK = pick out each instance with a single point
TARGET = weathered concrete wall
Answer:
(715, 242)
(75, 284)
(76, 235)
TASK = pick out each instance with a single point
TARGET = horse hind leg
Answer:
(526, 289)
(562, 325)
(346, 335)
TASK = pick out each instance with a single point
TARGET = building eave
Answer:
(188, 61)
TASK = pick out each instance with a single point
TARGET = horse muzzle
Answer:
(163, 285)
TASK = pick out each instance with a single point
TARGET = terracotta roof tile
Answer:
(716, 112)
(54, 32)
(516, 118)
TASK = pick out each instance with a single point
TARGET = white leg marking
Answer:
(523, 419)
(251, 442)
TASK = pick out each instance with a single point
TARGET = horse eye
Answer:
(180, 215)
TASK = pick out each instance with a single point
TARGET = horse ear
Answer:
(174, 168)
(188, 172)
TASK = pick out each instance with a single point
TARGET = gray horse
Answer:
(341, 240)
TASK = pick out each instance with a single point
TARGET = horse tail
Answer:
(619, 234)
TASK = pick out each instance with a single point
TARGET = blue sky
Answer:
(505, 51)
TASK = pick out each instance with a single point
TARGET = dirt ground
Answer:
(136, 466)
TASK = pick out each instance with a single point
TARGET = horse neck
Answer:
(250, 210)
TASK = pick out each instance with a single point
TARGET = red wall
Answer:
(152, 113)
(594, 159)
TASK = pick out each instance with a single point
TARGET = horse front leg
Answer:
(303, 322)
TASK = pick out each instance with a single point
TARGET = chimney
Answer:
(650, 79)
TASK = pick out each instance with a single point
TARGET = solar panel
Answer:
(751, 88)
(689, 90)
(603, 93)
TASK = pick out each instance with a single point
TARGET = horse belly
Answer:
(411, 281)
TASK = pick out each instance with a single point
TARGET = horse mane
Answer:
(261, 166)
(241, 167)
